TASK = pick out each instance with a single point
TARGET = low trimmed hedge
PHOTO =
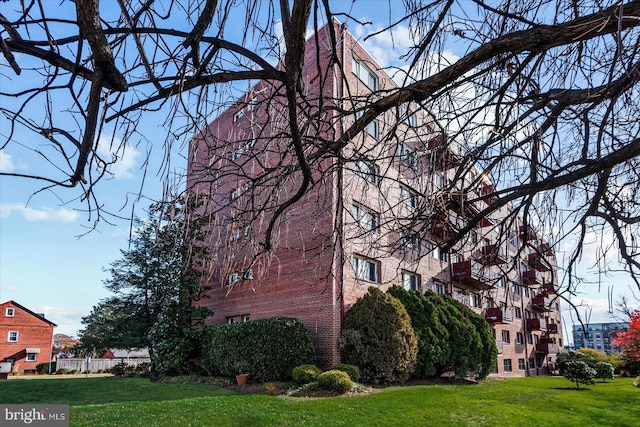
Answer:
(305, 374)
(335, 380)
(266, 349)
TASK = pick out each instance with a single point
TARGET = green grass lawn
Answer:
(537, 401)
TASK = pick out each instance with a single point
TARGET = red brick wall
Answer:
(33, 332)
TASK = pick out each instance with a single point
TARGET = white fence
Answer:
(80, 365)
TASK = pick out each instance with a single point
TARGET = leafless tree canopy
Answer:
(543, 99)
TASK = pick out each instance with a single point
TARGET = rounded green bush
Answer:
(335, 381)
(352, 370)
(304, 374)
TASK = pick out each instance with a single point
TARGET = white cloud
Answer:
(121, 157)
(42, 214)
(6, 164)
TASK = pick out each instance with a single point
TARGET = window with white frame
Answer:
(31, 357)
(366, 170)
(438, 253)
(10, 312)
(233, 278)
(410, 281)
(238, 115)
(246, 318)
(517, 312)
(365, 269)
(13, 336)
(365, 74)
(519, 338)
(365, 217)
(372, 128)
(475, 300)
(439, 288)
(408, 116)
(407, 155)
(505, 337)
(238, 153)
(438, 180)
(249, 145)
(408, 196)
(507, 365)
(521, 364)
(529, 338)
(532, 363)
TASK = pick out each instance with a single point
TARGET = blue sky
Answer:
(46, 267)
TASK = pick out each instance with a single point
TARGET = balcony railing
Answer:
(498, 315)
(530, 277)
(464, 299)
(491, 255)
(527, 233)
(552, 328)
(485, 190)
(474, 274)
(439, 229)
(546, 346)
(545, 248)
(443, 155)
(536, 261)
(547, 288)
(540, 303)
(536, 325)
(457, 202)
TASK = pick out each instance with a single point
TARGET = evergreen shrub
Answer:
(335, 381)
(305, 374)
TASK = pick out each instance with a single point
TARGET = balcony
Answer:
(536, 261)
(546, 249)
(484, 192)
(439, 229)
(499, 346)
(546, 346)
(460, 297)
(547, 288)
(443, 156)
(527, 233)
(536, 325)
(491, 255)
(530, 277)
(457, 202)
(498, 315)
(552, 328)
(473, 274)
(540, 303)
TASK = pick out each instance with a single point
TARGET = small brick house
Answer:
(25, 337)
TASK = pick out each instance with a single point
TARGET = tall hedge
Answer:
(378, 338)
(451, 336)
(266, 349)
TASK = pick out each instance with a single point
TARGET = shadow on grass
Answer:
(572, 388)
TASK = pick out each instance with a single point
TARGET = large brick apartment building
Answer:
(362, 222)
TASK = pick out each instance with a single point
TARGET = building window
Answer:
(439, 288)
(363, 72)
(516, 289)
(410, 281)
(438, 180)
(512, 240)
(532, 362)
(238, 153)
(233, 278)
(372, 128)
(521, 365)
(10, 312)
(505, 337)
(507, 365)
(367, 170)
(409, 239)
(408, 196)
(526, 292)
(248, 275)
(237, 116)
(407, 155)
(365, 217)
(408, 116)
(473, 237)
(501, 282)
(231, 320)
(438, 253)
(31, 357)
(517, 312)
(475, 300)
(519, 338)
(13, 336)
(246, 318)
(365, 269)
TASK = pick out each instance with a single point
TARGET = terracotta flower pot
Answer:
(242, 379)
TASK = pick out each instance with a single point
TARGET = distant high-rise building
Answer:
(598, 336)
